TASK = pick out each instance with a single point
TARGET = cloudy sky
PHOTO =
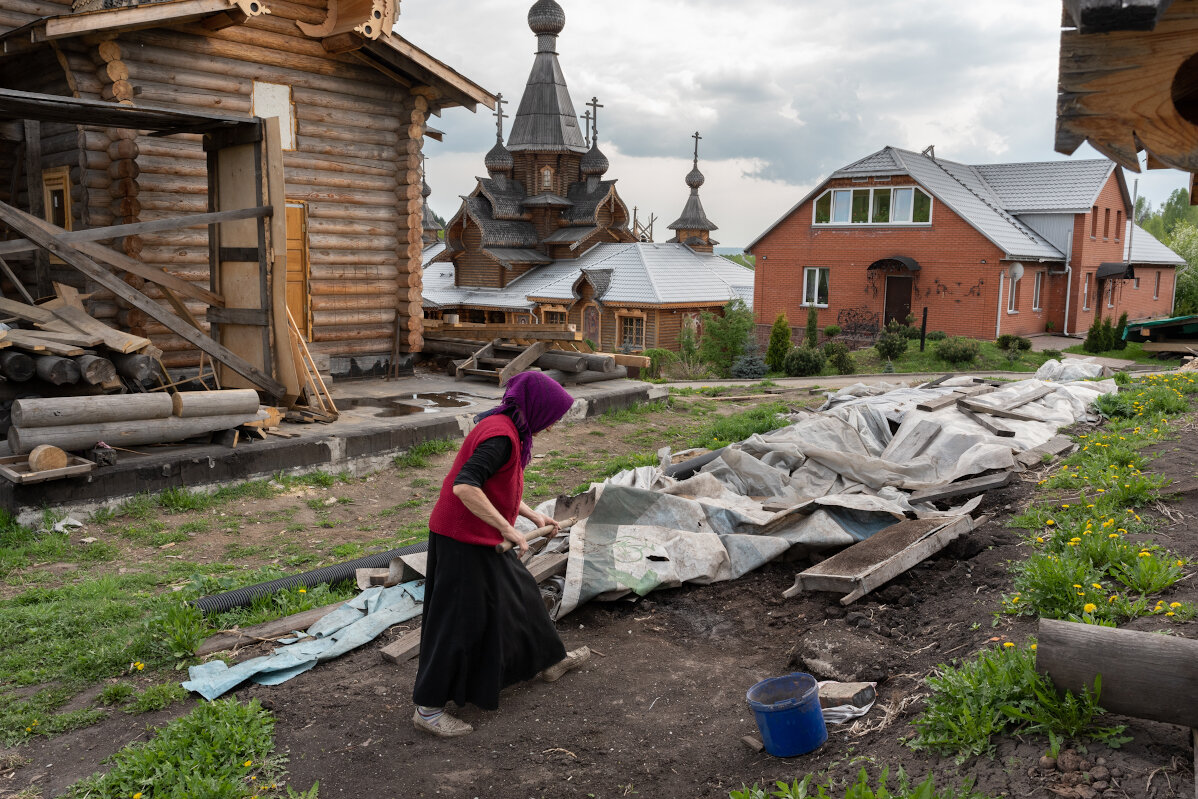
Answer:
(783, 91)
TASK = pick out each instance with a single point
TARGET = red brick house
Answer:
(987, 249)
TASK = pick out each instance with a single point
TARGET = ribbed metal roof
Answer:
(1147, 249)
(1047, 186)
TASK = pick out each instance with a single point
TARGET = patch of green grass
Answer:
(418, 456)
(990, 358)
(213, 752)
(999, 692)
(633, 413)
(116, 693)
(195, 527)
(862, 788)
(1134, 352)
(157, 697)
(23, 718)
(182, 500)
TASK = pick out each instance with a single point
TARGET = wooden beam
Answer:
(991, 426)
(951, 399)
(402, 649)
(35, 189)
(521, 362)
(140, 228)
(133, 17)
(160, 277)
(32, 342)
(267, 630)
(123, 343)
(26, 313)
(27, 227)
(978, 407)
(977, 485)
(913, 444)
(12, 278)
(1145, 675)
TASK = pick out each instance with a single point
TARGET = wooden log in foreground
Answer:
(62, 411)
(56, 370)
(121, 434)
(47, 457)
(16, 366)
(192, 404)
(1145, 675)
(134, 367)
(95, 370)
(267, 630)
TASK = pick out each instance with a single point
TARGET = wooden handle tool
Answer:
(540, 532)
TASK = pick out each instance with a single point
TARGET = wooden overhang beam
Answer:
(410, 65)
(18, 105)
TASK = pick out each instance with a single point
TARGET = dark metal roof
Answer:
(1106, 16)
(506, 199)
(545, 121)
(499, 159)
(600, 280)
(499, 232)
(1116, 270)
(16, 105)
(547, 199)
(898, 262)
(594, 162)
(587, 199)
(693, 216)
(570, 235)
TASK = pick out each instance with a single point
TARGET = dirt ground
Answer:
(660, 710)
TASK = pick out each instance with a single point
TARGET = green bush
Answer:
(1010, 341)
(775, 353)
(1117, 334)
(723, 339)
(812, 326)
(1100, 337)
(937, 335)
(891, 344)
(832, 348)
(958, 350)
(804, 362)
(863, 788)
(832, 331)
(749, 366)
(659, 359)
(844, 363)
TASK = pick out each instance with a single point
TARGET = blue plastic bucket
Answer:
(788, 714)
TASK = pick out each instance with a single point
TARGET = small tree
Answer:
(775, 354)
(749, 366)
(812, 326)
(893, 342)
(1118, 342)
(723, 339)
(804, 362)
(1094, 339)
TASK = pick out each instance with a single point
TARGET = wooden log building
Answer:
(353, 100)
(545, 238)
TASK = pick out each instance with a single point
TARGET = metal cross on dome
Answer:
(595, 106)
(499, 115)
(697, 138)
(587, 117)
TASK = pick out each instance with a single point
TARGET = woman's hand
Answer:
(541, 520)
(517, 538)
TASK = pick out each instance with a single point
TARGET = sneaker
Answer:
(571, 661)
(446, 726)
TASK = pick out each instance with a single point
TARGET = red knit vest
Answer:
(505, 488)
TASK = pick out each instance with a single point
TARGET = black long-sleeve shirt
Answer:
(488, 458)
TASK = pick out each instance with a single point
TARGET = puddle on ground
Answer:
(409, 404)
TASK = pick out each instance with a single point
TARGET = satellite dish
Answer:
(1015, 271)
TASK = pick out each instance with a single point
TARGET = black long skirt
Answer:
(484, 628)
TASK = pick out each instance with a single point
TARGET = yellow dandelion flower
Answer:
(1090, 607)
(248, 763)
(1008, 645)
(1096, 585)
(137, 795)
(303, 590)
(1032, 647)
(1065, 506)
(1039, 539)
(139, 665)
(1174, 605)
(1050, 522)
(1170, 613)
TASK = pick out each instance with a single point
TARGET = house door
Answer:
(590, 324)
(898, 299)
(297, 267)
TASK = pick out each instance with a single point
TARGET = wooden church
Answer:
(545, 238)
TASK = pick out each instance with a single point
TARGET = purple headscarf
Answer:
(533, 401)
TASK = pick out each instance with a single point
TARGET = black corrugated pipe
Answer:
(218, 603)
(681, 471)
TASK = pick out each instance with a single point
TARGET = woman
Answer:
(485, 626)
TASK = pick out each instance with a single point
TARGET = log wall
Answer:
(355, 165)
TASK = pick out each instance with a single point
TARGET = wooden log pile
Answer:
(503, 357)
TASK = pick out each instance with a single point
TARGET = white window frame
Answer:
(807, 274)
(1037, 291)
(847, 195)
(1086, 292)
(1156, 291)
(546, 177)
(1110, 294)
(1013, 296)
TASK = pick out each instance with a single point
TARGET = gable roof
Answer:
(989, 196)
(1141, 247)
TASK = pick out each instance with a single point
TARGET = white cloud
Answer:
(784, 92)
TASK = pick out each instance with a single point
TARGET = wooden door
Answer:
(898, 299)
(297, 267)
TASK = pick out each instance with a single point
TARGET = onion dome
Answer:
(499, 159)
(425, 192)
(695, 179)
(594, 162)
(546, 17)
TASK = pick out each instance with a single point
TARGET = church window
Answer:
(547, 178)
(56, 189)
(555, 317)
(898, 206)
(815, 286)
(632, 332)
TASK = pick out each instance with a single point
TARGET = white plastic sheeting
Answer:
(650, 531)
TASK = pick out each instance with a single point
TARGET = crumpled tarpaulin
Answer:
(358, 621)
(650, 531)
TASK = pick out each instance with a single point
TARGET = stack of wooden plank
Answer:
(59, 343)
